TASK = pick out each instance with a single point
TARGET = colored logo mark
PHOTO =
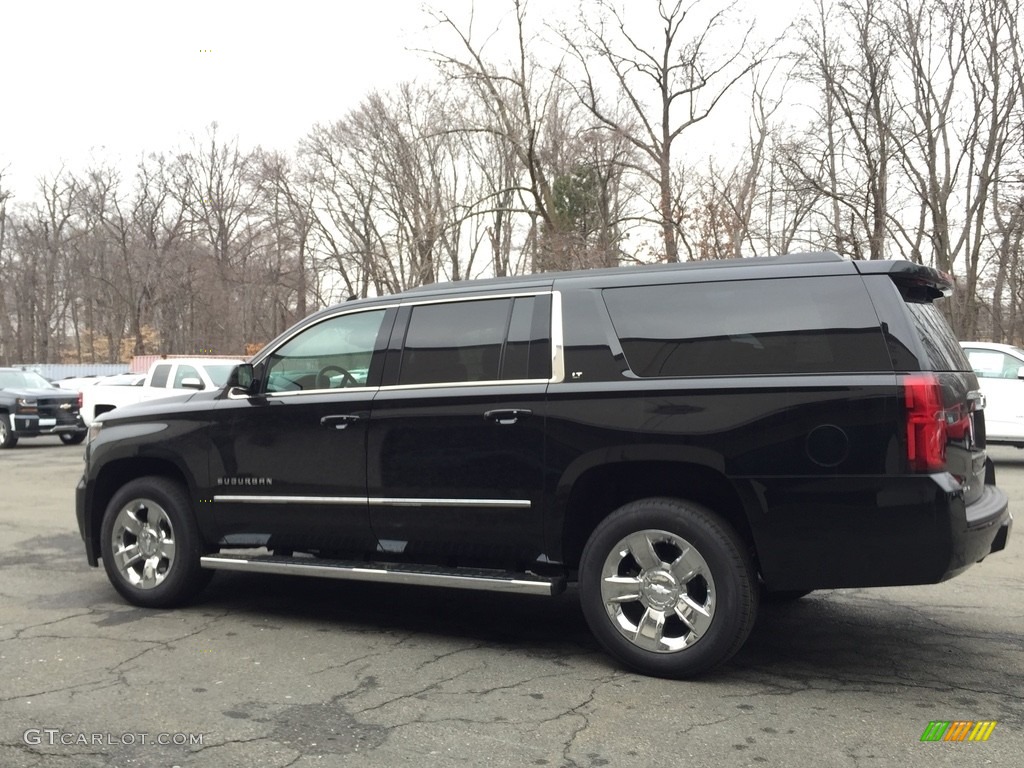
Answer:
(958, 730)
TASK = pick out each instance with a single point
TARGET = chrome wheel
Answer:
(658, 591)
(667, 587)
(142, 543)
(151, 545)
(7, 437)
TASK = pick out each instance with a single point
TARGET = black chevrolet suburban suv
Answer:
(677, 440)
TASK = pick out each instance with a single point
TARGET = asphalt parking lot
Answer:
(272, 671)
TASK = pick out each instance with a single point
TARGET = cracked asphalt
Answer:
(273, 672)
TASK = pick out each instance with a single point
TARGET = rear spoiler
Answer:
(915, 281)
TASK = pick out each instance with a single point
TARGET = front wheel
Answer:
(7, 437)
(72, 438)
(667, 588)
(151, 545)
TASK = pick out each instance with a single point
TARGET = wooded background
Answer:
(873, 128)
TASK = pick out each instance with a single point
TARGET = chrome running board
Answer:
(392, 573)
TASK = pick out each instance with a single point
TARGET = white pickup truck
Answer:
(166, 378)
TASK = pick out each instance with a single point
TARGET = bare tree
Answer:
(213, 185)
(849, 54)
(959, 127)
(513, 101)
(720, 216)
(43, 241)
(288, 207)
(7, 267)
(663, 88)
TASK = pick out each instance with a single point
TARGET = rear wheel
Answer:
(72, 438)
(151, 545)
(7, 437)
(667, 588)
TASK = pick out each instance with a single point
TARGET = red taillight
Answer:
(926, 424)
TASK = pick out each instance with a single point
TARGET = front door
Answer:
(288, 467)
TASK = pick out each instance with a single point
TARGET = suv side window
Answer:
(160, 374)
(330, 355)
(456, 342)
(943, 350)
(478, 340)
(528, 345)
(774, 326)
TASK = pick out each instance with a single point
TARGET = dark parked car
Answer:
(676, 439)
(31, 406)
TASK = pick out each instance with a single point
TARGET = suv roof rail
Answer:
(809, 257)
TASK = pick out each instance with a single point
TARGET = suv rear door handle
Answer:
(338, 421)
(507, 415)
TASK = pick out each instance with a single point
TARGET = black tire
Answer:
(7, 437)
(158, 511)
(72, 438)
(719, 579)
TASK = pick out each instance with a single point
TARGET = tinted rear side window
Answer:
(937, 338)
(528, 346)
(774, 326)
(455, 342)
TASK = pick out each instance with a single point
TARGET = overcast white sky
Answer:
(94, 78)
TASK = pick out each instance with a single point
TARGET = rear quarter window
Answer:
(937, 338)
(753, 327)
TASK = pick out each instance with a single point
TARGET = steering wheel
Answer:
(323, 381)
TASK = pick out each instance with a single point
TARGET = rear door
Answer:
(456, 443)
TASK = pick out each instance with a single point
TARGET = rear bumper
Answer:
(911, 529)
(987, 530)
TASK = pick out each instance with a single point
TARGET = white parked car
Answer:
(78, 383)
(166, 378)
(1000, 371)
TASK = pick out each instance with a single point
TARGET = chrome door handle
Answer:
(507, 415)
(338, 421)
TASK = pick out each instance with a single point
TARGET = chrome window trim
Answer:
(557, 348)
(299, 392)
(557, 340)
(453, 384)
(378, 501)
(524, 294)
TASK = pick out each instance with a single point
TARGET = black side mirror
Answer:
(241, 379)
